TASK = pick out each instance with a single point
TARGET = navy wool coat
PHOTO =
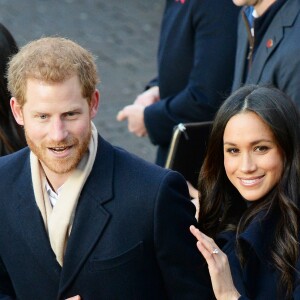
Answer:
(277, 59)
(130, 237)
(258, 279)
(195, 66)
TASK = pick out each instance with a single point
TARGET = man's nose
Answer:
(58, 131)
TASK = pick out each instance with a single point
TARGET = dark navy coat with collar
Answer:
(130, 237)
(277, 59)
(258, 279)
(195, 66)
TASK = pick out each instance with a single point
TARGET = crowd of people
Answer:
(87, 220)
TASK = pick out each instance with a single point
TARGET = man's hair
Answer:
(53, 60)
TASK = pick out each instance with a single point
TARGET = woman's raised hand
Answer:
(218, 266)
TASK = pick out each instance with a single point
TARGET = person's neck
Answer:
(262, 5)
(55, 180)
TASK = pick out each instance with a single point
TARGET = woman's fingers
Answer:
(208, 242)
(196, 232)
(206, 246)
(218, 266)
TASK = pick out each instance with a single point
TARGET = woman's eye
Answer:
(261, 148)
(232, 150)
(43, 117)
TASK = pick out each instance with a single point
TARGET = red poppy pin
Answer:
(269, 43)
(181, 1)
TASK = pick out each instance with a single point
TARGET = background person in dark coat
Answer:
(12, 136)
(270, 55)
(249, 189)
(195, 70)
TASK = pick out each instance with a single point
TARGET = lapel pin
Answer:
(269, 43)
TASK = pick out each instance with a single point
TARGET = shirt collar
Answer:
(53, 196)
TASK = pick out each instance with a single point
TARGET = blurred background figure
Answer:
(11, 134)
(269, 45)
(195, 70)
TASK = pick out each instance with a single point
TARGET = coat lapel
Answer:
(269, 43)
(91, 217)
(241, 55)
(260, 234)
(29, 218)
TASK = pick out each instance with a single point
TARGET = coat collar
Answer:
(31, 224)
(260, 234)
(91, 216)
(89, 223)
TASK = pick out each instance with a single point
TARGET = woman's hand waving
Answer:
(218, 266)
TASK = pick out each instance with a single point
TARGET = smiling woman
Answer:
(253, 161)
(250, 188)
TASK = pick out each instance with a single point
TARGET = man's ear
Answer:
(95, 100)
(17, 111)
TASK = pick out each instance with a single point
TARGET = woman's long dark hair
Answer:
(221, 206)
(11, 135)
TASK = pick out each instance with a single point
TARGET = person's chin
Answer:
(252, 195)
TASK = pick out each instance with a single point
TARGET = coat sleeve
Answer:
(6, 288)
(151, 83)
(183, 268)
(214, 28)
